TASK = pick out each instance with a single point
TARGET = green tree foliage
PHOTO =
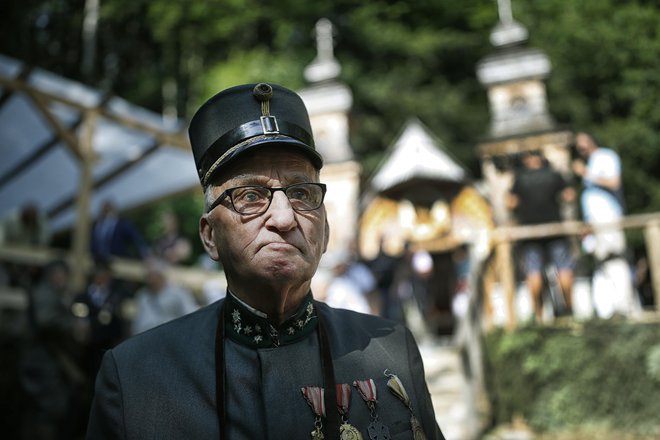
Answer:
(605, 80)
(595, 378)
(400, 58)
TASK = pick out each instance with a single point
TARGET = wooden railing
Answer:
(131, 270)
(503, 238)
(493, 256)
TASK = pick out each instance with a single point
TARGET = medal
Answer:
(346, 430)
(314, 396)
(396, 387)
(349, 432)
(367, 389)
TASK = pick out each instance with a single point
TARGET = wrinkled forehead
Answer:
(270, 162)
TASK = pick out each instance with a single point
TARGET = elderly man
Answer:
(267, 361)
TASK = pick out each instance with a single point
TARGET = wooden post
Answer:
(507, 280)
(652, 237)
(81, 235)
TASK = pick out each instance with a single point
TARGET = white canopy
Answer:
(136, 156)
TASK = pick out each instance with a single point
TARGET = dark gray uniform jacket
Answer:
(161, 384)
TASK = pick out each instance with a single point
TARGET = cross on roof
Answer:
(504, 11)
(324, 43)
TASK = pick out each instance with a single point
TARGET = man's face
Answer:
(584, 145)
(278, 247)
(532, 160)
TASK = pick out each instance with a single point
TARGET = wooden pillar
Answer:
(81, 237)
(488, 281)
(652, 237)
(507, 280)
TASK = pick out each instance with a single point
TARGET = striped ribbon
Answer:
(314, 396)
(343, 397)
(367, 389)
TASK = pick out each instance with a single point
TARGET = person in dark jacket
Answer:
(267, 361)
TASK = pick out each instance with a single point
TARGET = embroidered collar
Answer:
(251, 328)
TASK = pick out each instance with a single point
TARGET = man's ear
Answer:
(207, 236)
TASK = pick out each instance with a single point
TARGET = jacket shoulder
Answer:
(193, 329)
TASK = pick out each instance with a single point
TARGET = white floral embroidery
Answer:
(257, 328)
(236, 315)
(258, 338)
(291, 330)
(300, 323)
(237, 327)
(248, 330)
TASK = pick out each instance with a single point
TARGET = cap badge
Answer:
(264, 93)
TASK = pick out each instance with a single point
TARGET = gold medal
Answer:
(317, 434)
(346, 430)
(349, 432)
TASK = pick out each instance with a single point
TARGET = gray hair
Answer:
(208, 197)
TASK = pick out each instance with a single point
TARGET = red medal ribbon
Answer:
(343, 397)
(314, 396)
(367, 389)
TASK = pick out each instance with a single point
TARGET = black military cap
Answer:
(246, 116)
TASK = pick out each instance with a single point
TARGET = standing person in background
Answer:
(344, 290)
(267, 361)
(99, 309)
(171, 246)
(384, 268)
(115, 236)
(49, 370)
(160, 300)
(535, 198)
(602, 203)
(25, 227)
(410, 286)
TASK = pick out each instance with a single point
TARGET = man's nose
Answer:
(280, 212)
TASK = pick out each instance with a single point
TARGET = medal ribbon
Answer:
(315, 398)
(343, 398)
(367, 389)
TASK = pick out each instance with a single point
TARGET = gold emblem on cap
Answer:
(263, 93)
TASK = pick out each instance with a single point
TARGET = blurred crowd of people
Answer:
(59, 334)
(539, 194)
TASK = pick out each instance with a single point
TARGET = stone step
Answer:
(448, 388)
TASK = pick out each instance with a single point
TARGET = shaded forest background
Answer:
(399, 58)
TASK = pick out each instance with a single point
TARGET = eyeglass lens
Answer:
(256, 199)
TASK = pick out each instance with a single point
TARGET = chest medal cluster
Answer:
(376, 429)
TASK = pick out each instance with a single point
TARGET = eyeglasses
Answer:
(255, 199)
